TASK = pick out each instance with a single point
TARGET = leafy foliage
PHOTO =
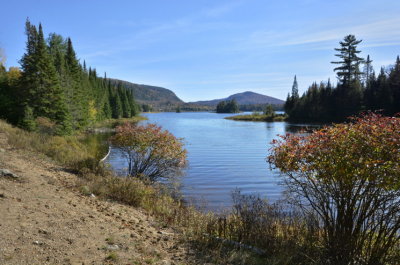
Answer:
(348, 175)
(151, 152)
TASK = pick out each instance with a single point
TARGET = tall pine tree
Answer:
(42, 94)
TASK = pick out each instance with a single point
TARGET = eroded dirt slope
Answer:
(44, 220)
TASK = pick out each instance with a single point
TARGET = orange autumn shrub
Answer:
(348, 175)
(152, 153)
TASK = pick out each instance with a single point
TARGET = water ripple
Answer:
(223, 155)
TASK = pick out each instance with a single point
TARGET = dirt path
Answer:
(43, 220)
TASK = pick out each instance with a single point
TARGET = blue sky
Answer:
(207, 49)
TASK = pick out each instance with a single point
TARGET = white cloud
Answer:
(376, 33)
(218, 11)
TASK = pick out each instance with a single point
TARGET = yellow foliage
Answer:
(13, 75)
(92, 111)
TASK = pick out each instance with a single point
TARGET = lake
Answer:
(223, 155)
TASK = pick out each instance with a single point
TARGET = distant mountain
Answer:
(165, 100)
(245, 98)
(152, 95)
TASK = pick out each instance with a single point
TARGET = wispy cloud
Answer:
(153, 32)
(377, 33)
(220, 10)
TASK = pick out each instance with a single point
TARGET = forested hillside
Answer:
(150, 94)
(54, 89)
(245, 98)
(358, 89)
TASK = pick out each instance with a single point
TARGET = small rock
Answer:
(92, 195)
(112, 247)
(42, 231)
(37, 243)
(7, 173)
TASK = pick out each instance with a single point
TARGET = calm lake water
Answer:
(223, 155)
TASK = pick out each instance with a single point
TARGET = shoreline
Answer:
(258, 117)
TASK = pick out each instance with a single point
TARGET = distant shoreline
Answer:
(258, 117)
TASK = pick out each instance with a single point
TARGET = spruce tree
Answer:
(54, 85)
(394, 82)
(117, 111)
(28, 120)
(42, 94)
(368, 69)
(295, 89)
(134, 106)
(107, 112)
(29, 67)
(77, 96)
(126, 106)
(383, 92)
(288, 107)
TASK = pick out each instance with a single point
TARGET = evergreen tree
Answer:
(230, 106)
(42, 94)
(56, 43)
(53, 85)
(146, 108)
(293, 98)
(394, 83)
(117, 111)
(370, 93)
(107, 112)
(28, 120)
(269, 110)
(349, 89)
(384, 94)
(126, 106)
(368, 69)
(77, 96)
(221, 107)
(350, 62)
(134, 106)
(295, 89)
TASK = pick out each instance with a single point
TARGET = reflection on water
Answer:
(297, 128)
(223, 155)
(97, 144)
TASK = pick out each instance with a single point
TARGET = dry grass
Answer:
(285, 237)
(66, 150)
(112, 123)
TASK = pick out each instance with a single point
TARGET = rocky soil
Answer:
(44, 219)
